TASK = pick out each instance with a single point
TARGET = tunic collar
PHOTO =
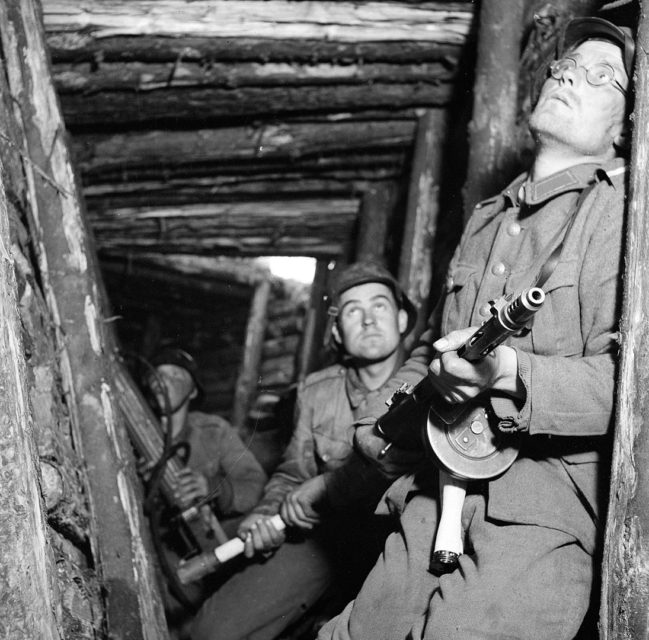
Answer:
(575, 178)
(357, 392)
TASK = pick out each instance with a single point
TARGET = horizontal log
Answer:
(88, 78)
(245, 273)
(284, 364)
(278, 308)
(300, 227)
(172, 106)
(280, 346)
(167, 279)
(275, 380)
(438, 22)
(235, 176)
(168, 148)
(151, 194)
(76, 47)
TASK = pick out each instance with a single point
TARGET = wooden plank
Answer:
(624, 612)
(67, 268)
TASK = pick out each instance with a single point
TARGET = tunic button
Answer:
(498, 269)
(485, 310)
(325, 457)
(450, 283)
(514, 229)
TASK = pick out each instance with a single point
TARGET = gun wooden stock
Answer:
(208, 562)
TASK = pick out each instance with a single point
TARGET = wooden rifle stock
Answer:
(208, 562)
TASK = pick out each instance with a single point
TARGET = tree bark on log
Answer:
(422, 210)
(28, 570)
(137, 77)
(77, 47)
(247, 381)
(374, 215)
(133, 604)
(292, 227)
(275, 19)
(207, 104)
(96, 154)
(315, 322)
(493, 155)
(624, 613)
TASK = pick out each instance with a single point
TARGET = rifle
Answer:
(188, 531)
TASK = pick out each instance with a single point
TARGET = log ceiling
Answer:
(246, 127)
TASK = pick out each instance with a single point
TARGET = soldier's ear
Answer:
(402, 320)
(622, 141)
(336, 333)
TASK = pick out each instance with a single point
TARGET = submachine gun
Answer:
(461, 437)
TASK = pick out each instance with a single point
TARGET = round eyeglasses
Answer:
(597, 75)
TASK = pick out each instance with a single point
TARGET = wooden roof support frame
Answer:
(246, 385)
(26, 566)
(624, 612)
(422, 210)
(132, 603)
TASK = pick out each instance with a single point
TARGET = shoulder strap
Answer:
(550, 264)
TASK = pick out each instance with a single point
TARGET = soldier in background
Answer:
(333, 537)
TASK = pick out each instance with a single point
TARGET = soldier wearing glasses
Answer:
(532, 537)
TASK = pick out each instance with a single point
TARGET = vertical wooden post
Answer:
(416, 259)
(27, 570)
(249, 372)
(316, 321)
(68, 270)
(493, 154)
(624, 610)
(374, 215)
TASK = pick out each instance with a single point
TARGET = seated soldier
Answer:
(340, 537)
(218, 463)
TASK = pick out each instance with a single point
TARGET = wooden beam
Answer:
(439, 22)
(96, 153)
(206, 104)
(624, 612)
(493, 155)
(316, 320)
(27, 566)
(133, 606)
(422, 211)
(246, 385)
(317, 227)
(376, 210)
(89, 78)
(74, 48)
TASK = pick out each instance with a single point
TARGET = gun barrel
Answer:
(511, 318)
